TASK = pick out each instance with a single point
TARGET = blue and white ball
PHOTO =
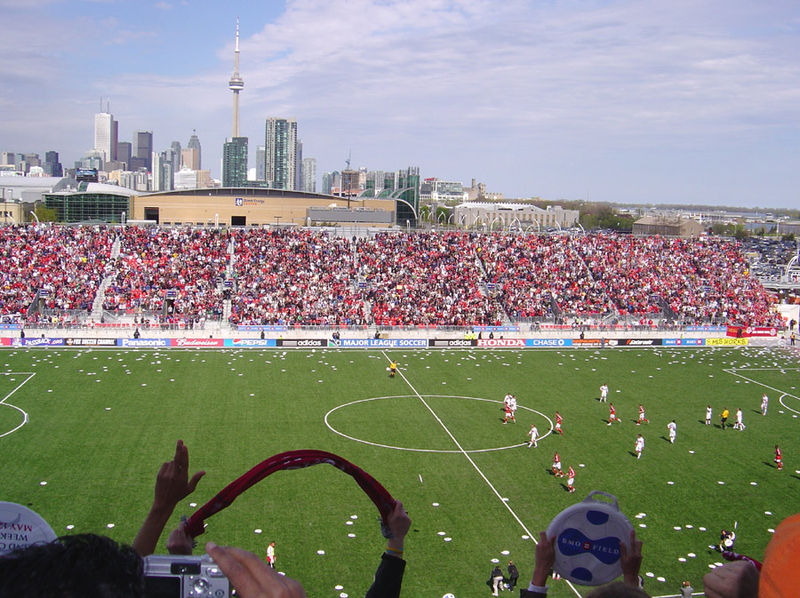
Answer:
(588, 538)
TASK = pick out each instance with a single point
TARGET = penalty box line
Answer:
(472, 462)
(30, 376)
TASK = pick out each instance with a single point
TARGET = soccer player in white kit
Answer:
(534, 434)
(639, 446)
(709, 413)
(604, 393)
(764, 403)
(673, 431)
(512, 403)
(739, 425)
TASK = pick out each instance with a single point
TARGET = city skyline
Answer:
(668, 102)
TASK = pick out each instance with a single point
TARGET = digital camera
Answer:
(174, 576)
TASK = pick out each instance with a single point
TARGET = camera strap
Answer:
(291, 460)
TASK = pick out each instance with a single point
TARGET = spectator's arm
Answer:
(631, 561)
(252, 577)
(172, 486)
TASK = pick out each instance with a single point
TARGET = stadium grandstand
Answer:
(65, 276)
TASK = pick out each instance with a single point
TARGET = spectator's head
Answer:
(618, 590)
(80, 566)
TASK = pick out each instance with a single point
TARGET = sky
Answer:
(659, 101)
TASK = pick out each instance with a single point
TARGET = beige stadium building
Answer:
(248, 206)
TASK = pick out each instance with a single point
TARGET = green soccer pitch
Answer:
(100, 423)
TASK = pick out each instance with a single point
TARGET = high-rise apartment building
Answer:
(280, 153)
(142, 149)
(260, 157)
(309, 184)
(234, 162)
(105, 135)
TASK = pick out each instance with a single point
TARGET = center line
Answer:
(466, 455)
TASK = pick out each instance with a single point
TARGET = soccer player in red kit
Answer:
(612, 414)
(778, 458)
(571, 479)
(642, 417)
(558, 423)
(557, 466)
(509, 414)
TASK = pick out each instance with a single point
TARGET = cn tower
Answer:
(236, 84)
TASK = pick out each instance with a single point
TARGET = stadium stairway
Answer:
(100, 297)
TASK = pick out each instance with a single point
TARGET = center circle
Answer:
(421, 399)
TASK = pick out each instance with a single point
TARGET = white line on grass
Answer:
(734, 372)
(8, 396)
(474, 465)
(421, 450)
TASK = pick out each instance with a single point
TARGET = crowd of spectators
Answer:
(62, 267)
(308, 277)
(178, 266)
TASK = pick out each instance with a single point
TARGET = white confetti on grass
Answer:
(43, 483)
(441, 533)
(109, 525)
(70, 526)
(682, 559)
(661, 579)
(348, 522)
(448, 539)
(505, 552)
(435, 504)
(320, 552)
(257, 530)
(691, 555)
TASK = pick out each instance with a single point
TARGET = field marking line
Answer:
(474, 465)
(420, 450)
(733, 372)
(8, 396)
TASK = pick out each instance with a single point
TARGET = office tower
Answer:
(236, 84)
(234, 162)
(52, 167)
(190, 158)
(105, 135)
(260, 153)
(309, 175)
(7, 158)
(194, 144)
(142, 150)
(280, 153)
(124, 153)
(177, 155)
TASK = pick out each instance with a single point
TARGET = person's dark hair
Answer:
(79, 566)
(617, 590)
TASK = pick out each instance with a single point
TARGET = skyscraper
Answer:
(124, 151)
(234, 162)
(194, 144)
(280, 153)
(105, 135)
(260, 153)
(142, 150)
(52, 167)
(309, 175)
